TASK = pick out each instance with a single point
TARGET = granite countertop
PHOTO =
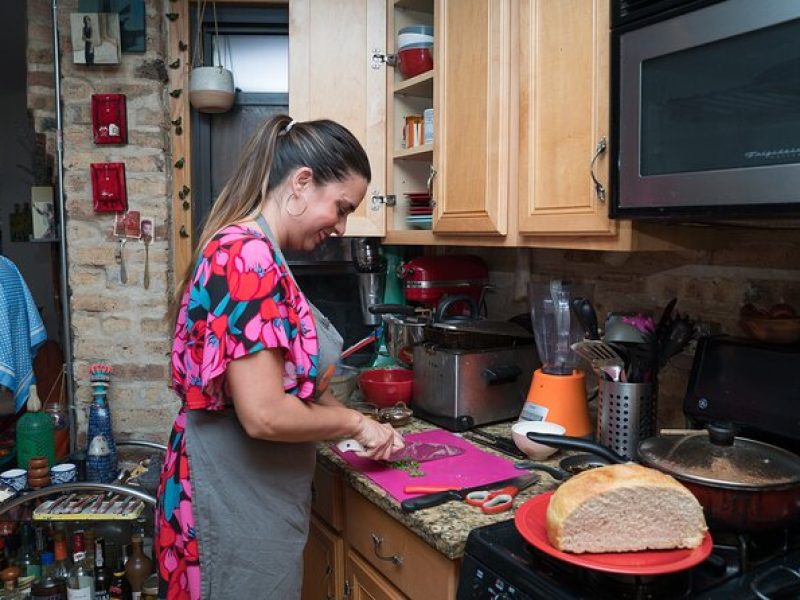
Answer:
(444, 527)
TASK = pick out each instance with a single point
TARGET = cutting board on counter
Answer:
(473, 467)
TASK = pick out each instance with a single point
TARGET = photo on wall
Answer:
(95, 38)
(43, 214)
(131, 20)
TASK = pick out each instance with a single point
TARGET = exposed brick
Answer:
(116, 325)
(111, 304)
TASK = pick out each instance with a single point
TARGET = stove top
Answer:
(500, 564)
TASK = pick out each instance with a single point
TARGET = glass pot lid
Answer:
(729, 461)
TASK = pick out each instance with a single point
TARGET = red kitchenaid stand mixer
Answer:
(557, 393)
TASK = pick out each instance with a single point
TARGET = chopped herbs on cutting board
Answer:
(409, 466)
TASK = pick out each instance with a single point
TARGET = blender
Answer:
(557, 393)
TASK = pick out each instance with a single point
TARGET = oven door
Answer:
(706, 111)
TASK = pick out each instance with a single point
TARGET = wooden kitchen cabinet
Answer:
(365, 583)
(365, 553)
(520, 92)
(323, 575)
(473, 120)
(563, 116)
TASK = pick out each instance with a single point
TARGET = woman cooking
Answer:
(235, 489)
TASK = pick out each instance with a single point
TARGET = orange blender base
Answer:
(563, 399)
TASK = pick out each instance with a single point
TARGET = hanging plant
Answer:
(211, 88)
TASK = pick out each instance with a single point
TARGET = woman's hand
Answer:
(379, 440)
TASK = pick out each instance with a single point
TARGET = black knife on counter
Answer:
(501, 444)
(429, 500)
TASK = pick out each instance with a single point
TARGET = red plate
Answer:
(530, 520)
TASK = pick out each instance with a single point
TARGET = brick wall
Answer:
(123, 325)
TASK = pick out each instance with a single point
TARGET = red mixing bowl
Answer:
(386, 387)
(413, 61)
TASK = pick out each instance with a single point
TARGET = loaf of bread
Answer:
(624, 508)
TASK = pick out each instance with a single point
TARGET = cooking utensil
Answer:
(587, 317)
(493, 502)
(678, 336)
(413, 504)
(328, 374)
(531, 518)
(743, 485)
(502, 444)
(603, 358)
(567, 467)
(626, 414)
(417, 451)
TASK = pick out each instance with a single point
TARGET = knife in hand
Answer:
(429, 500)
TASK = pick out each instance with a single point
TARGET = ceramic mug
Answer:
(63, 473)
(15, 478)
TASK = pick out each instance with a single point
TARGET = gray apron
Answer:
(252, 497)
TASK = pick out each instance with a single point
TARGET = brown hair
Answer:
(279, 146)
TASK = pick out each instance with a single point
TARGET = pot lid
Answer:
(484, 326)
(728, 461)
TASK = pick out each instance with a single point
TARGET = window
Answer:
(253, 43)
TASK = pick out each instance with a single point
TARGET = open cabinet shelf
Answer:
(420, 85)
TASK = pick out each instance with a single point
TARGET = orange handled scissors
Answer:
(492, 502)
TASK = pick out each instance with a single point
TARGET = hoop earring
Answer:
(290, 213)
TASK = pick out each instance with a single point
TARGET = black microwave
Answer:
(705, 108)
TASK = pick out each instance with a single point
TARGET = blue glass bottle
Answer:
(100, 414)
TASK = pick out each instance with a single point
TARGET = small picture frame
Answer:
(95, 38)
(109, 120)
(108, 187)
(43, 214)
(147, 230)
(132, 16)
(128, 225)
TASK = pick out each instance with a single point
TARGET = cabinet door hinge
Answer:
(388, 200)
(346, 595)
(378, 58)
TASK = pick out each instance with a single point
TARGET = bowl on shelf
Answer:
(414, 34)
(772, 330)
(534, 450)
(386, 387)
(415, 59)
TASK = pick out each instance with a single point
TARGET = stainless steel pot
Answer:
(403, 327)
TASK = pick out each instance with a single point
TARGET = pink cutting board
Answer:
(473, 467)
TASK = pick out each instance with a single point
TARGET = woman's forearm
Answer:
(290, 419)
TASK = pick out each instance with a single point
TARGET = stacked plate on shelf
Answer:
(420, 210)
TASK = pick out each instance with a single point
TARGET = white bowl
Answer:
(534, 450)
(406, 39)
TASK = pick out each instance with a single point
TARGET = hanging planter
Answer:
(211, 88)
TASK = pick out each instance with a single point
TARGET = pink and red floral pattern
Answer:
(241, 300)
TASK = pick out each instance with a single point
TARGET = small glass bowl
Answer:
(397, 415)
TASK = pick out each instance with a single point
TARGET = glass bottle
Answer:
(48, 587)
(80, 584)
(28, 559)
(61, 566)
(102, 574)
(138, 567)
(119, 589)
(34, 433)
(56, 409)
(9, 576)
(100, 413)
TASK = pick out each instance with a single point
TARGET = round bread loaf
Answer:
(624, 508)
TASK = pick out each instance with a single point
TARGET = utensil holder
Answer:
(626, 414)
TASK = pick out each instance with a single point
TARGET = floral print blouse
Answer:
(242, 299)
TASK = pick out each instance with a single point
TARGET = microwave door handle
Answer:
(599, 189)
